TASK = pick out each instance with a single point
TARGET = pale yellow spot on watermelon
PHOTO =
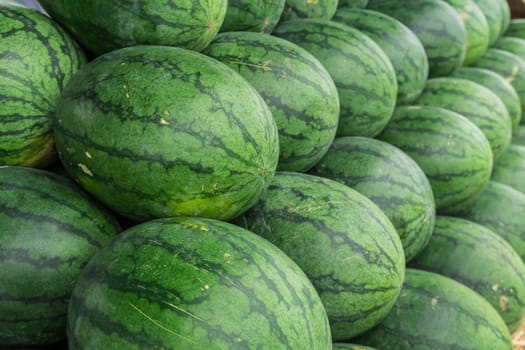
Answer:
(312, 2)
(167, 113)
(227, 255)
(195, 227)
(434, 302)
(265, 66)
(164, 121)
(85, 169)
(495, 287)
(127, 95)
(503, 302)
(511, 77)
(88, 155)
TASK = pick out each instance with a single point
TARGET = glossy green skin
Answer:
(475, 102)
(516, 28)
(494, 14)
(324, 9)
(509, 169)
(340, 239)
(194, 283)
(452, 152)
(400, 44)
(438, 27)
(510, 67)
(481, 260)
(500, 208)
(253, 16)
(498, 85)
(348, 346)
(435, 312)
(208, 150)
(103, 26)
(49, 230)
(476, 26)
(351, 58)
(37, 59)
(518, 137)
(505, 15)
(391, 179)
(296, 87)
(352, 3)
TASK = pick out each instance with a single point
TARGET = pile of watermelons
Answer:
(278, 174)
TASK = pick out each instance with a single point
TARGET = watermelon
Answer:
(49, 230)
(500, 208)
(512, 45)
(146, 152)
(480, 259)
(437, 25)
(401, 45)
(364, 76)
(324, 9)
(476, 26)
(348, 346)
(255, 16)
(510, 67)
(509, 169)
(388, 177)
(475, 102)
(103, 26)
(435, 312)
(294, 84)
(495, 16)
(340, 239)
(498, 85)
(36, 61)
(352, 3)
(518, 136)
(505, 15)
(194, 283)
(451, 150)
(516, 28)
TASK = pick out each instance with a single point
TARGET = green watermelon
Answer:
(498, 85)
(505, 15)
(495, 16)
(348, 346)
(254, 16)
(512, 45)
(145, 151)
(49, 230)
(516, 28)
(500, 208)
(480, 259)
(401, 45)
(103, 26)
(364, 76)
(194, 283)
(437, 25)
(340, 239)
(435, 312)
(352, 3)
(476, 26)
(323, 9)
(509, 169)
(299, 91)
(37, 59)
(451, 150)
(518, 136)
(391, 179)
(475, 102)
(510, 67)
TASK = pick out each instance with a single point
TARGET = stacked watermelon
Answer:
(288, 174)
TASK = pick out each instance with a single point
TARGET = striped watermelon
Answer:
(401, 45)
(509, 169)
(194, 283)
(476, 27)
(49, 229)
(341, 240)
(500, 208)
(299, 91)
(495, 16)
(518, 136)
(516, 28)
(480, 259)
(208, 150)
(475, 102)
(251, 15)
(505, 15)
(435, 312)
(391, 179)
(352, 3)
(348, 346)
(510, 67)
(103, 26)
(453, 152)
(498, 85)
(364, 76)
(324, 9)
(438, 27)
(37, 59)
(512, 45)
